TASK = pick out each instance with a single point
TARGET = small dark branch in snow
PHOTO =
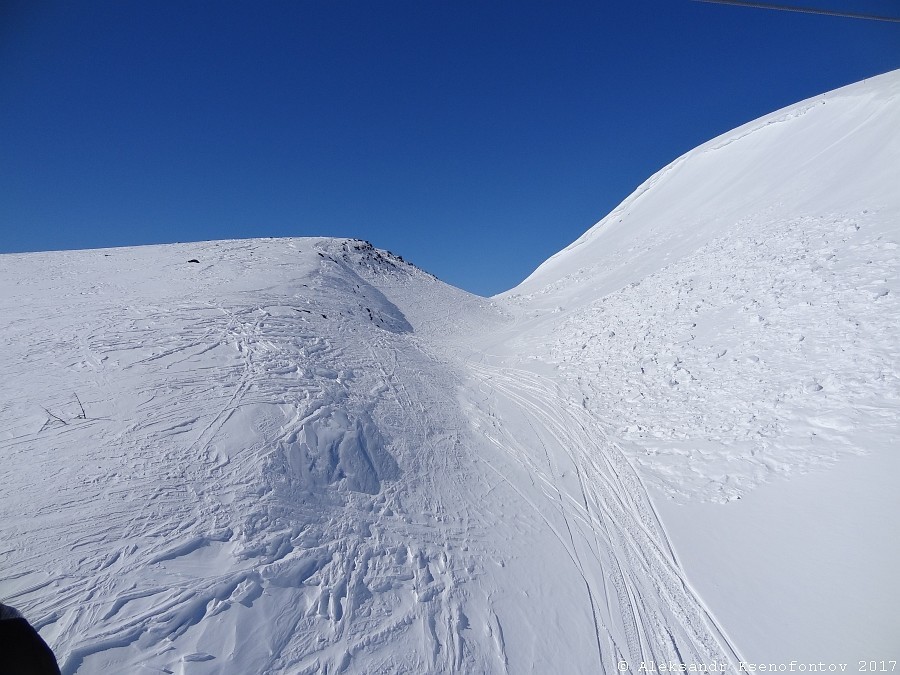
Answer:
(57, 418)
(83, 414)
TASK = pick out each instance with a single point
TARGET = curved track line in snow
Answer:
(619, 517)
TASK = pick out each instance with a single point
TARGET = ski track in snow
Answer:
(611, 533)
(262, 487)
(203, 488)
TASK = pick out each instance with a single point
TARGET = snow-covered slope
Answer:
(735, 317)
(224, 465)
(293, 456)
(307, 455)
(832, 154)
(734, 322)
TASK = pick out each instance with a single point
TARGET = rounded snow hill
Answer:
(839, 151)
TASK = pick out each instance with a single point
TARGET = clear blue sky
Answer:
(475, 138)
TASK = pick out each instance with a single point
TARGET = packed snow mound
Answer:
(838, 153)
(332, 448)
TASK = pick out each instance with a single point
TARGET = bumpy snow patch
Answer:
(332, 447)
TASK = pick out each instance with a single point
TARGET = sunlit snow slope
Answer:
(243, 464)
(735, 322)
(307, 455)
(741, 305)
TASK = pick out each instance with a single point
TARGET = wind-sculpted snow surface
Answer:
(771, 350)
(309, 456)
(269, 463)
(252, 484)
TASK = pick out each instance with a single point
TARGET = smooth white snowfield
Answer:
(676, 442)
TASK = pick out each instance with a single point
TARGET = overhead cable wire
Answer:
(803, 10)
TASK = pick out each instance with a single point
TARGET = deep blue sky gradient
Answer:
(475, 138)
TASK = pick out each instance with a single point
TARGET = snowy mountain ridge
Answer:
(307, 455)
